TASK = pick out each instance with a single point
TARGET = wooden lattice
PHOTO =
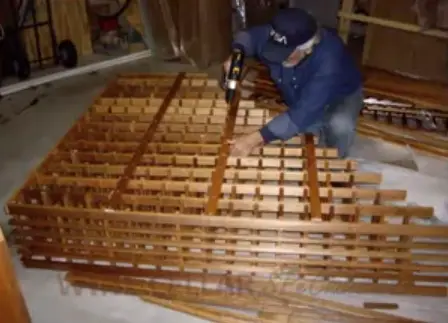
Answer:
(143, 185)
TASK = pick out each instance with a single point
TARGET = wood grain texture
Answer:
(214, 193)
(270, 305)
(313, 183)
(380, 306)
(405, 52)
(12, 304)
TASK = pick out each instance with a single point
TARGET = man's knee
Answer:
(341, 123)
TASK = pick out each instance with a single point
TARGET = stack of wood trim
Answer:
(269, 305)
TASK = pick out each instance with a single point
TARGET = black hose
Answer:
(114, 15)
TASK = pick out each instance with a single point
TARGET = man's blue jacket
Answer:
(322, 79)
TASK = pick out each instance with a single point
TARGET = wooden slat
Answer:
(214, 192)
(241, 300)
(313, 183)
(149, 133)
(238, 223)
(380, 306)
(12, 304)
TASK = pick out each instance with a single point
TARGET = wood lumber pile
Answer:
(260, 303)
(142, 186)
(406, 111)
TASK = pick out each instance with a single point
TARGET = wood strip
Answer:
(345, 24)
(380, 306)
(219, 316)
(294, 315)
(191, 294)
(140, 151)
(184, 293)
(211, 278)
(248, 300)
(12, 304)
(221, 163)
(313, 183)
(141, 236)
(268, 206)
(205, 173)
(306, 300)
(237, 223)
(289, 190)
(393, 24)
(202, 160)
(239, 261)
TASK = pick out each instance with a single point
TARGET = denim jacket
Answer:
(323, 78)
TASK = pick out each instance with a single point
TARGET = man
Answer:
(317, 78)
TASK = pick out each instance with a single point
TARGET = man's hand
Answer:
(226, 64)
(225, 71)
(244, 145)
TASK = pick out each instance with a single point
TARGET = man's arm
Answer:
(309, 109)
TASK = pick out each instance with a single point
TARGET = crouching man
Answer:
(316, 76)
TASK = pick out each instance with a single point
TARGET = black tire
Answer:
(20, 64)
(67, 54)
(22, 67)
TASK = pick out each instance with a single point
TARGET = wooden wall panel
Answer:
(404, 52)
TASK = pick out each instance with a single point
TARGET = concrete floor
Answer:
(33, 121)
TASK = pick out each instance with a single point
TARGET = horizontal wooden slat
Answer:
(237, 223)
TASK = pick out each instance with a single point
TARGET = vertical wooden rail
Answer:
(344, 24)
(221, 163)
(115, 196)
(313, 182)
(12, 304)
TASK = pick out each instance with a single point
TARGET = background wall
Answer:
(324, 10)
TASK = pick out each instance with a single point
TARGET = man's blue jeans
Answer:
(338, 127)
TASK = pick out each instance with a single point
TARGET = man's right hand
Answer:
(225, 72)
(226, 65)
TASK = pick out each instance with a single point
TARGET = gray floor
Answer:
(31, 123)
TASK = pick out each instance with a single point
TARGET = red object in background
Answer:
(108, 24)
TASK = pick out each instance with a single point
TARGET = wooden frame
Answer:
(347, 16)
(188, 211)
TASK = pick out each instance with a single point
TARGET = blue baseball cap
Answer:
(291, 29)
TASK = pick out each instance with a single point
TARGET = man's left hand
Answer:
(244, 145)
